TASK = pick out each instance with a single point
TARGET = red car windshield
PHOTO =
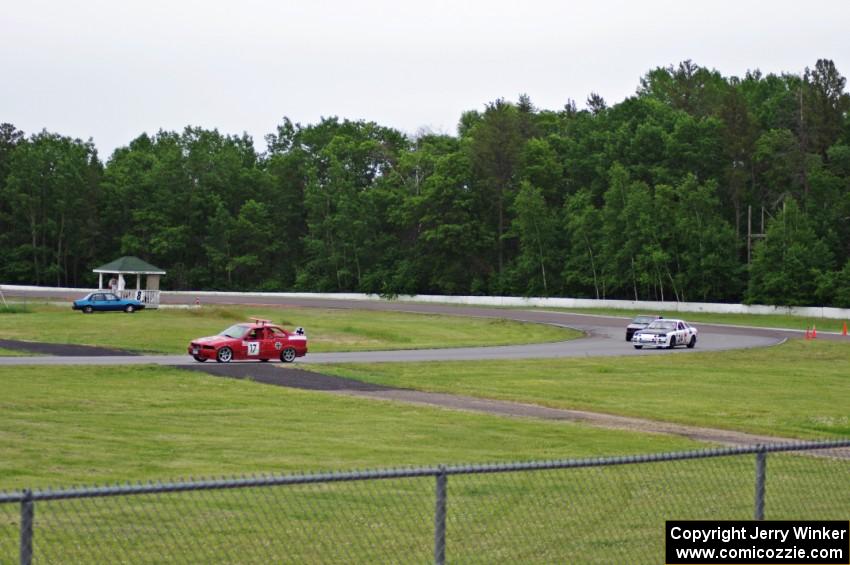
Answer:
(235, 331)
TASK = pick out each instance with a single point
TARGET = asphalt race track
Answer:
(604, 335)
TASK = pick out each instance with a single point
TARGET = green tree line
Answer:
(645, 199)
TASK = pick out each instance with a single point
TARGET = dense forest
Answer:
(646, 199)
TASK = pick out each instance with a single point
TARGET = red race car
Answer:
(259, 339)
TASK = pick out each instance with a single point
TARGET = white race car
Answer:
(666, 333)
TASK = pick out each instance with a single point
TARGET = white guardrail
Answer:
(509, 301)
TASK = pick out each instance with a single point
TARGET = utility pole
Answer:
(804, 141)
(750, 234)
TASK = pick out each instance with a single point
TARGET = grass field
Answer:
(800, 389)
(598, 515)
(87, 425)
(170, 330)
(95, 425)
(61, 425)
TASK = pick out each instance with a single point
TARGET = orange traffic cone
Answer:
(844, 331)
(814, 332)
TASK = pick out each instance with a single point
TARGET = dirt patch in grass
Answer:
(308, 380)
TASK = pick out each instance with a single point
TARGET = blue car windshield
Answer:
(235, 331)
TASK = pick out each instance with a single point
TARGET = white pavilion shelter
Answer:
(130, 265)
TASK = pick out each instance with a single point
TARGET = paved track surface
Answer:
(604, 337)
(608, 324)
(63, 350)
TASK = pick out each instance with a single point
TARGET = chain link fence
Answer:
(577, 511)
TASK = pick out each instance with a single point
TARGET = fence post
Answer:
(440, 518)
(761, 467)
(27, 516)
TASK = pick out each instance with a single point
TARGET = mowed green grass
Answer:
(170, 330)
(65, 425)
(97, 425)
(800, 389)
(597, 515)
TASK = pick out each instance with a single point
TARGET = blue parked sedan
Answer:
(106, 302)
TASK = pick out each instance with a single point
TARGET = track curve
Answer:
(604, 335)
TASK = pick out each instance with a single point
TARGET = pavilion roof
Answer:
(129, 265)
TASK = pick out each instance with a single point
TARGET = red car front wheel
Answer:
(224, 355)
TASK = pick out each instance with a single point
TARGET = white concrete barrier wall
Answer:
(518, 301)
(511, 301)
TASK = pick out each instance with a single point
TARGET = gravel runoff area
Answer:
(273, 374)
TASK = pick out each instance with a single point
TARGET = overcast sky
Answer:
(112, 69)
